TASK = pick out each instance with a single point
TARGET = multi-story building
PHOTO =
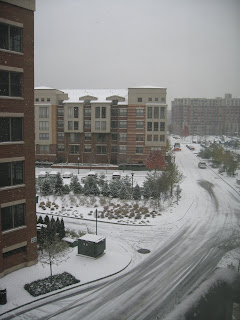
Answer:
(100, 125)
(200, 116)
(17, 157)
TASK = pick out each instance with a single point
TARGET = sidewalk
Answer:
(85, 269)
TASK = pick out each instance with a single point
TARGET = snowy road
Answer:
(183, 254)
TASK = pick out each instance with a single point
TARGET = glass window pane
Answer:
(15, 39)
(3, 36)
(5, 174)
(17, 172)
(4, 83)
(4, 129)
(16, 129)
(16, 84)
(18, 215)
(6, 218)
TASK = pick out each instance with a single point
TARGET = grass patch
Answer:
(43, 286)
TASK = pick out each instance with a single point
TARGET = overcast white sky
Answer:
(192, 47)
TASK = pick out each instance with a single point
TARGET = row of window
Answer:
(154, 126)
(75, 149)
(42, 99)
(150, 99)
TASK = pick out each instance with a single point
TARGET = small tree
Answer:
(75, 186)
(123, 193)
(58, 187)
(54, 251)
(105, 189)
(137, 193)
(155, 160)
(46, 188)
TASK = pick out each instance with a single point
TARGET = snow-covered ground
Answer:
(123, 240)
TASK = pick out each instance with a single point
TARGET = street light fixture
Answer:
(78, 164)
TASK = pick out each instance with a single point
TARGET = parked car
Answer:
(116, 175)
(92, 174)
(53, 174)
(202, 165)
(42, 174)
(67, 174)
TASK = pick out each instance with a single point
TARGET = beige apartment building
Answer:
(105, 126)
(201, 116)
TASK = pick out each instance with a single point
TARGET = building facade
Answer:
(17, 157)
(200, 116)
(106, 126)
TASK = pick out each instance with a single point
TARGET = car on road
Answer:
(202, 165)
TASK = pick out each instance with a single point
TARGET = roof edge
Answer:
(26, 4)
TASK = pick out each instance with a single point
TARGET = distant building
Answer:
(108, 126)
(201, 116)
(18, 247)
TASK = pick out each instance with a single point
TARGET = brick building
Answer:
(17, 156)
(108, 126)
(201, 116)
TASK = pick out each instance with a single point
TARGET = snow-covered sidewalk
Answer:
(85, 269)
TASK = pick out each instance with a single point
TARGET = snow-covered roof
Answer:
(44, 88)
(92, 238)
(147, 87)
(100, 94)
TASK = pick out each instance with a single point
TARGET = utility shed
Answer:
(91, 245)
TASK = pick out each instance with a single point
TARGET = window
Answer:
(149, 126)
(61, 147)
(139, 99)
(43, 112)
(114, 136)
(75, 112)
(97, 125)
(155, 149)
(122, 124)
(87, 136)
(114, 124)
(87, 148)
(13, 217)
(15, 251)
(139, 150)
(155, 137)
(101, 149)
(60, 124)
(103, 125)
(139, 137)
(37, 99)
(149, 137)
(139, 112)
(74, 137)
(156, 99)
(11, 84)
(87, 124)
(115, 102)
(43, 125)
(11, 173)
(139, 124)
(42, 99)
(150, 99)
(122, 137)
(162, 137)
(156, 112)
(70, 125)
(114, 149)
(70, 112)
(155, 125)
(163, 100)
(162, 126)
(162, 113)
(11, 129)
(122, 149)
(149, 112)
(87, 112)
(97, 112)
(123, 112)
(103, 112)
(43, 136)
(60, 136)
(114, 112)
(60, 112)
(44, 149)
(10, 37)
(48, 99)
(101, 137)
(75, 125)
(74, 149)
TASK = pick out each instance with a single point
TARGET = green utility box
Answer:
(91, 245)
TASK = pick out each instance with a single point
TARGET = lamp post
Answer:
(132, 183)
(78, 165)
(96, 220)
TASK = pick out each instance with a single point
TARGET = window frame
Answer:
(11, 213)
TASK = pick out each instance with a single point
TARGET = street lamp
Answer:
(132, 183)
(78, 165)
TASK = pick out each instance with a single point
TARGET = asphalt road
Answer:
(153, 287)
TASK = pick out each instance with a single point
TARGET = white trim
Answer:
(10, 51)
(14, 246)
(13, 203)
(3, 160)
(12, 23)
(13, 187)
(13, 69)
(11, 115)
